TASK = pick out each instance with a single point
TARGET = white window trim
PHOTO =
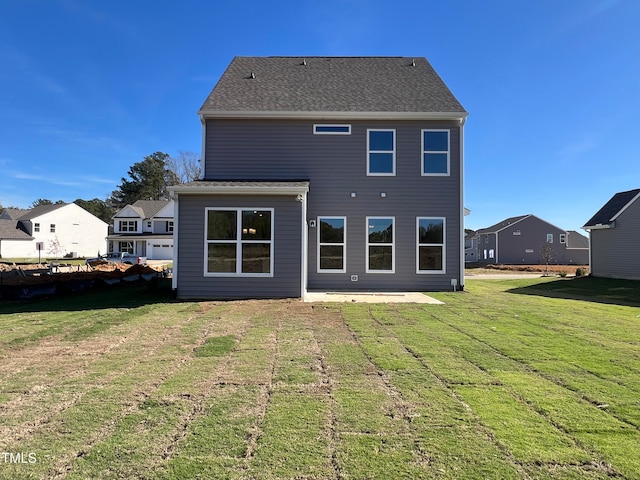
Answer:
(316, 132)
(369, 152)
(549, 237)
(423, 173)
(443, 245)
(129, 228)
(238, 241)
(392, 245)
(563, 238)
(344, 246)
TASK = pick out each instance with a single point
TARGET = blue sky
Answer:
(88, 88)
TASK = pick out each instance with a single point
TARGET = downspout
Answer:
(462, 121)
(202, 148)
(305, 246)
(496, 252)
(176, 234)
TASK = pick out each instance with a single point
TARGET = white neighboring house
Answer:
(58, 230)
(144, 229)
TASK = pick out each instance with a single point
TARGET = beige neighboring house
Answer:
(144, 229)
(47, 231)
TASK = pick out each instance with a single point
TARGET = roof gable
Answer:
(40, 210)
(142, 209)
(276, 85)
(614, 207)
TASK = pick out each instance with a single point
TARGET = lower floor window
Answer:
(380, 241)
(239, 241)
(430, 245)
(332, 244)
(125, 247)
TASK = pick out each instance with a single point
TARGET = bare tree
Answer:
(185, 165)
(547, 255)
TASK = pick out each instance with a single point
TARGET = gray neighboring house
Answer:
(519, 241)
(613, 237)
(324, 173)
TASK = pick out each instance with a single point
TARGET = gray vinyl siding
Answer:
(614, 251)
(525, 248)
(286, 280)
(336, 165)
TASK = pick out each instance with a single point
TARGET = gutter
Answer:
(339, 115)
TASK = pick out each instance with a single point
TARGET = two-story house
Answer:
(62, 229)
(145, 229)
(324, 173)
(520, 240)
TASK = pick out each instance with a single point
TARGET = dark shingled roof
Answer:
(576, 240)
(40, 210)
(9, 230)
(331, 84)
(605, 215)
(499, 226)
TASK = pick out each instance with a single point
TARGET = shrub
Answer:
(580, 272)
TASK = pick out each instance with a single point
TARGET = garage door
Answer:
(161, 251)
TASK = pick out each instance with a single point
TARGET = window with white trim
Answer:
(239, 241)
(563, 238)
(332, 244)
(549, 237)
(36, 227)
(128, 225)
(435, 152)
(380, 244)
(381, 152)
(125, 247)
(52, 228)
(332, 129)
(430, 256)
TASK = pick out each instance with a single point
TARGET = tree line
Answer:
(146, 180)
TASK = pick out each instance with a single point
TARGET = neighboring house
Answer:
(324, 173)
(470, 246)
(519, 241)
(144, 229)
(613, 237)
(51, 231)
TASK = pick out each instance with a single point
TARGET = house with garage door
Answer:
(144, 228)
(324, 173)
(614, 231)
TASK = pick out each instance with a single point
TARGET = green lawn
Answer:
(511, 379)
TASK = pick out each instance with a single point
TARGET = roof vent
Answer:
(413, 62)
(304, 62)
(253, 75)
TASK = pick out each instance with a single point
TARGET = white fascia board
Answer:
(599, 226)
(238, 190)
(457, 116)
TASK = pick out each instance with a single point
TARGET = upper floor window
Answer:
(563, 238)
(36, 227)
(170, 226)
(549, 237)
(380, 242)
(435, 152)
(381, 152)
(332, 244)
(52, 228)
(128, 225)
(332, 129)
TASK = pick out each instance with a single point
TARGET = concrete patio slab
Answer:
(371, 297)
